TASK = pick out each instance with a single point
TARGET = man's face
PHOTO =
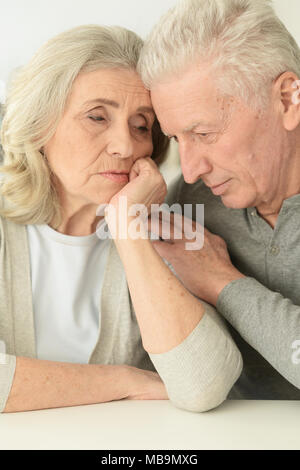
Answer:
(236, 151)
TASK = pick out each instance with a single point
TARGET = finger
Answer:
(173, 226)
(133, 174)
(144, 164)
(161, 225)
(164, 249)
(152, 163)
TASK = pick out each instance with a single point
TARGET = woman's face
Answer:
(105, 128)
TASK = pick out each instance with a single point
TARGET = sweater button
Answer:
(274, 250)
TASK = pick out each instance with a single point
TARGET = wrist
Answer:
(223, 281)
(126, 227)
(116, 378)
(129, 374)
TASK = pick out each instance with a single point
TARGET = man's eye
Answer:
(207, 137)
(202, 134)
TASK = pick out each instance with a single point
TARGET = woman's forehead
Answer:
(115, 85)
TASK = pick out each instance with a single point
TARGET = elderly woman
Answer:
(88, 320)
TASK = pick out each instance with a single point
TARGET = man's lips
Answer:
(116, 176)
(218, 189)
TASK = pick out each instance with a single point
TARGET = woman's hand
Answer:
(133, 203)
(146, 185)
(145, 385)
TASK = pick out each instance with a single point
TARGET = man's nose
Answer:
(193, 163)
(120, 143)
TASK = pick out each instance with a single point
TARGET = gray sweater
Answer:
(198, 373)
(263, 309)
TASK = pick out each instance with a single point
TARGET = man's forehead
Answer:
(185, 91)
(185, 112)
(195, 77)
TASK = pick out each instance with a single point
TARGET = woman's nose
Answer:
(120, 144)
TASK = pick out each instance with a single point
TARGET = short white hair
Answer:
(243, 41)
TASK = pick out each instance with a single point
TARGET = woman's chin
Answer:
(104, 197)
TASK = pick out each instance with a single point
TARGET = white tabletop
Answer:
(155, 424)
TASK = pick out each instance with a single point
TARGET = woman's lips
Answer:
(116, 177)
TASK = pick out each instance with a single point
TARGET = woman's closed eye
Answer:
(142, 129)
(140, 124)
(96, 118)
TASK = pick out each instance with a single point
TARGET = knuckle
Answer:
(217, 238)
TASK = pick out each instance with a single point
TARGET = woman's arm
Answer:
(185, 338)
(166, 311)
(40, 384)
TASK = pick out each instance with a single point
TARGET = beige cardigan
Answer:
(198, 373)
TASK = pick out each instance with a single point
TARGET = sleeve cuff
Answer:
(238, 298)
(7, 372)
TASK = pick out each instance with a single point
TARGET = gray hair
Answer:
(243, 41)
(34, 106)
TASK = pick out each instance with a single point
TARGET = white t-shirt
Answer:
(67, 274)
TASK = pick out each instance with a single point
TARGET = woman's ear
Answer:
(287, 91)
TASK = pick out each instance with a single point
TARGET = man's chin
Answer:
(232, 202)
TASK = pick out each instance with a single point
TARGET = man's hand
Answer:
(204, 272)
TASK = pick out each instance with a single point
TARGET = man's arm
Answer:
(269, 322)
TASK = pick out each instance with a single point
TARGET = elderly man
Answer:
(223, 76)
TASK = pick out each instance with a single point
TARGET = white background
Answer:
(26, 24)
